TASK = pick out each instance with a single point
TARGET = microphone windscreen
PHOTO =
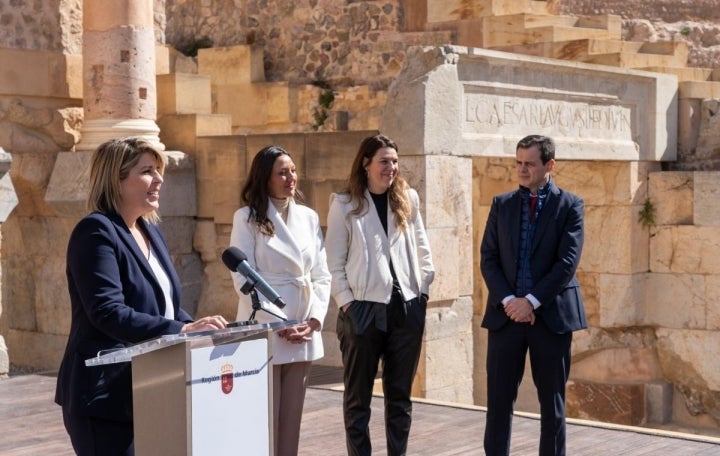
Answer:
(232, 257)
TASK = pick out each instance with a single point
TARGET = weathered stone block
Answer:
(252, 104)
(450, 275)
(479, 361)
(181, 93)
(686, 249)
(443, 363)
(218, 295)
(40, 350)
(179, 232)
(226, 199)
(446, 319)
(613, 364)
(69, 185)
(684, 356)
(589, 290)
(220, 166)
(626, 251)
(31, 174)
(444, 186)
(610, 403)
(622, 300)
(294, 143)
(44, 74)
(671, 193)
(712, 298)
(232, 65)
(330, 155)
(317, 196)
(205, 240)
(180, 132)
(189, 268)
(178, 194)
(659, 399)
(676, 301)
(706, 193)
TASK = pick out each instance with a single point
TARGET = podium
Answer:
(202, 393)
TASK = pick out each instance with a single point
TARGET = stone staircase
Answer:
(527, 27)
(225, 92)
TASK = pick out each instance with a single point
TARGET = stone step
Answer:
(636, 60)
(170, 60)
(502, 37)
(182, 93)
(527, 29)
(180, 131)
(519, 22)
(253, 103)
(689, 73)
(453, 10)
(699, 89)
(232, 65)
(608, 52)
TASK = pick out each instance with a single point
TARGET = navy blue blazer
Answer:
(554, 257)
(116, 301)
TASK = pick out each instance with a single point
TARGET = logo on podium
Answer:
(226, 376)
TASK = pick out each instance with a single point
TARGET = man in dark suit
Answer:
(529, 253)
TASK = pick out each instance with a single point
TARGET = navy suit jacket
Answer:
(554, 257)
(116, 301)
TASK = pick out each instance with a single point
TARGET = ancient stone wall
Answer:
(47, 25)
(346, 43)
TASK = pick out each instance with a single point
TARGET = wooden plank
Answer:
(32, 425)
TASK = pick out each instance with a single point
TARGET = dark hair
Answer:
(111, 162)
(255, 192)
(358, 181)
(544, 143)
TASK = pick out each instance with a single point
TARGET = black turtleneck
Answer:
(381, 204)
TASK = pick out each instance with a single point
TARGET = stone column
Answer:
(119, 92)
(8, 201)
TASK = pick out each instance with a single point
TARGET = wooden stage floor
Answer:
(31, 424)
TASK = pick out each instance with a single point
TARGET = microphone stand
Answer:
(249, 288)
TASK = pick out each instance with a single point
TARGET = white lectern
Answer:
(203, 393)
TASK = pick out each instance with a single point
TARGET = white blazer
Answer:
(293, 263)
(359, 252)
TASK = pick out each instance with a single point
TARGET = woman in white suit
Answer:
(284, 244)
(379, 258)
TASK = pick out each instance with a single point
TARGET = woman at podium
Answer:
(283, 243)
(123, 290)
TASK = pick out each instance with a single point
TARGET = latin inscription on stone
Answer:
(494, 113)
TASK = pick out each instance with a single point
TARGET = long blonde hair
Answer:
(358, 182)
(111, 163)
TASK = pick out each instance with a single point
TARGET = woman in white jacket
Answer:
(379, 258)
(284, 244)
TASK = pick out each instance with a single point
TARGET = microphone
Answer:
(236, 261)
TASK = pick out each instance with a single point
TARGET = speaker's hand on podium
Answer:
(205, 324)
